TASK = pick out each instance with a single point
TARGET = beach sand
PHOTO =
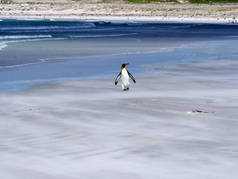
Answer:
(178, 122)
(164, 12)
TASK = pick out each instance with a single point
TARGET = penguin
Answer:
(124, 75)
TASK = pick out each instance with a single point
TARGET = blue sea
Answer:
(42, 51)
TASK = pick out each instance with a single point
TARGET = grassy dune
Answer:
(150, 1)
(188, 1)
(213, 1)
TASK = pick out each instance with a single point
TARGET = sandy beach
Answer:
(174, 123)
(62, 117)
(165, 12)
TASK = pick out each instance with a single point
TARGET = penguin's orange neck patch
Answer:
(123, 69)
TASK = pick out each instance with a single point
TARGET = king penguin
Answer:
(124, 75)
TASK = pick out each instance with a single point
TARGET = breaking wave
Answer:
(3, 45)
(8, 37)
(103, 35)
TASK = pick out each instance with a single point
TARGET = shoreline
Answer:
(135, 19)
(40, 66)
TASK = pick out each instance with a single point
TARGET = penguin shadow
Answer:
(126, 89)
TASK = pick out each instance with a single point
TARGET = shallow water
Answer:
(41, 51)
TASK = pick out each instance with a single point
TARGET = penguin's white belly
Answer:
(125, 79)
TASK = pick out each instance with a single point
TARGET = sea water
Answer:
(40, 51)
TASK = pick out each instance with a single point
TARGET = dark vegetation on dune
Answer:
(162, 1)
(150, 1)
(190, 1)
(6, 1)
(213, 1)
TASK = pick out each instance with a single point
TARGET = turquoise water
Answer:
(33, 52)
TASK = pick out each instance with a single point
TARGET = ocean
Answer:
(42, 51)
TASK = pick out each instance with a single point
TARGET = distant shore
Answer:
(164, 12)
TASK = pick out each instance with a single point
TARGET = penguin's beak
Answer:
(126, 64)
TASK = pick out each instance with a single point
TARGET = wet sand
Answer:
(178, 122)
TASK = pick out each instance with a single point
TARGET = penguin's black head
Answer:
(124, 65)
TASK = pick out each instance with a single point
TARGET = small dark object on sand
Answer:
(199, 111)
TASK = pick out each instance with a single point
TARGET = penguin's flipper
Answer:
(117, 78)
(132, 77)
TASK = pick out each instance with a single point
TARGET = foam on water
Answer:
(30, 19)
(25, 64)
(3, 45)
(24, 37)
(84, 26)
(98, 36)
